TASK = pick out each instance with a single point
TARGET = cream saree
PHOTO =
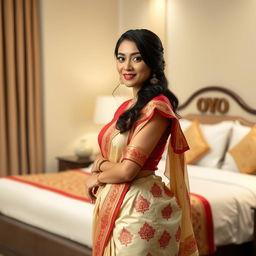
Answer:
(144, 217)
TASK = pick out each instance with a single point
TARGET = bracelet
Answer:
(97, 162)
(99, 165)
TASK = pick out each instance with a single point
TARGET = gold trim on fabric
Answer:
(160, 105)
(136, 154)
(146, 112)
(200, 224)
(104, 218)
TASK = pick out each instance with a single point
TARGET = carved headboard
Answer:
(214, 104)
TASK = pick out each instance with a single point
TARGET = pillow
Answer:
(238, 132)
(217, 136)
(244, 153)
(198, 145)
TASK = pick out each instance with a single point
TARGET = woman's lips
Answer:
(129, 76)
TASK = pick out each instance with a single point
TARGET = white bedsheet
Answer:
(230, 194)
(48, 210)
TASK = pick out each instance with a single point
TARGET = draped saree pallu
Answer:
(144, 217)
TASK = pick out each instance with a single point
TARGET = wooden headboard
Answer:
(214, 104)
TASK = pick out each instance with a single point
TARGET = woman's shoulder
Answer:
(161, 104)
(161, 98)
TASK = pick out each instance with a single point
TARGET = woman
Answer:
(135, 213)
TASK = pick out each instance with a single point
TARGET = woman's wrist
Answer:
(99, 183)
(97, 164)
(104, 160)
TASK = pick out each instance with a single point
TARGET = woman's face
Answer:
(132, 69)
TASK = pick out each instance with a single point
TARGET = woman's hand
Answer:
(95, 165)
(92, 186)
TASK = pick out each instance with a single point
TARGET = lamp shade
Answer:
(105, 108)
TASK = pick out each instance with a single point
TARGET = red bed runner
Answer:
(72, 184)
(68, 183)
(202, 224)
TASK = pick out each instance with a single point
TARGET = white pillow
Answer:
(238, 132)
(217, 136)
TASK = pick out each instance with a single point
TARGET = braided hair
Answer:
(151, 50)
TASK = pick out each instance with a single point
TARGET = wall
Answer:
(212, 42)
(78, 40)
(149, 14)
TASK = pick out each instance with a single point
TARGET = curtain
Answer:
(21, 124)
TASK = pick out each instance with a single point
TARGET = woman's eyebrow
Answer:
(134, 53)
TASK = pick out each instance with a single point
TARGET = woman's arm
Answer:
(145, 140)
(97, 165)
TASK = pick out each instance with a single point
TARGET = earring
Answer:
(115, 89)
(153, 80)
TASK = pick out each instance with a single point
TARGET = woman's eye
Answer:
(137, 59)
(120, 59)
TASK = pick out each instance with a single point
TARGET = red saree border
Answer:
(209, 222)
(106, 139)
(162, 105)
(117, 114)
(106, 220)
(135, 154)
(159, 103)
(58, 191)
(188, 247)
(121, 199)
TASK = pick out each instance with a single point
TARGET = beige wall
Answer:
(78, 62)
(148, 14)
(212, 43)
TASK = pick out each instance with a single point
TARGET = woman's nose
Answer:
(128, 65)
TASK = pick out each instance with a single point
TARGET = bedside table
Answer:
(72, 162)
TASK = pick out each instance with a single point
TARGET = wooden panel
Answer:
(17, 238)
(210, 119)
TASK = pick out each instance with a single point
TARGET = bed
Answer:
(38, 221)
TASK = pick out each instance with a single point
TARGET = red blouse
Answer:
(156, 104)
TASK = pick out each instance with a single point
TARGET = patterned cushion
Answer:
(237, 134)
(244, 153)
(196, 141)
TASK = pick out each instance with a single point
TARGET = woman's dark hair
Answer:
(151, 50)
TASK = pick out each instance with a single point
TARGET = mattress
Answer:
(231, 196)
(56, 213)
